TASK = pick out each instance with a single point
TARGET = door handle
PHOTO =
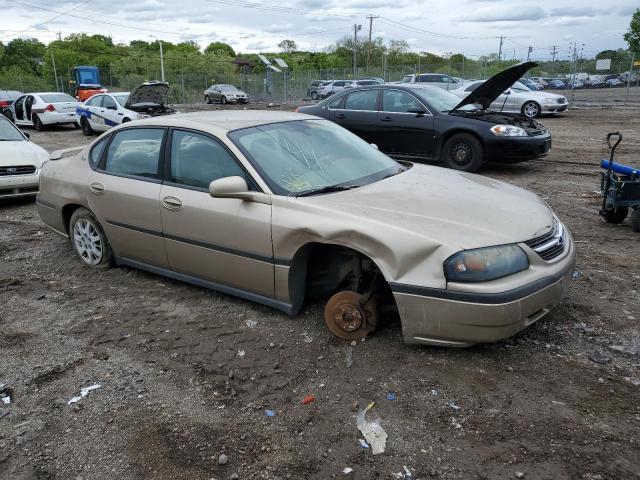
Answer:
(340, 116)
(172, 203)
(96, 188)
(386, 119)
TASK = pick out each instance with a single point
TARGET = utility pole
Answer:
(161, 57)
(529, 52)
(356, 28)
(370, 17)
(500, 50)
(55, 73)
(626, 95)
(59, 36)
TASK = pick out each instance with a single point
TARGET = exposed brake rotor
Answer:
(347, 318)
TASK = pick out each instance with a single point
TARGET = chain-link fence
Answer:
(189, 81)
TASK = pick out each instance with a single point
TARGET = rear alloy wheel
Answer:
(223, 100)
(463, 152)
(346, 317)
(37, 123)
(89, 240)
(616, 215)
(207, 99)
(86, 127)
(635, 220)
(531, 110)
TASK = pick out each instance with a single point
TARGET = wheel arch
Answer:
(303, 270)
(67, 212)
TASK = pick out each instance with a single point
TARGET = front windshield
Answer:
(228, 88)
(440, 99)
(121, 99)
(305, 155)
(8, 132)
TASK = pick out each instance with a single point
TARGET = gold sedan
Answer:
(285, 208)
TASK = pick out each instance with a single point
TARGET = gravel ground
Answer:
(187, 375)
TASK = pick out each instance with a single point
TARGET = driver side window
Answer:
(197, 160)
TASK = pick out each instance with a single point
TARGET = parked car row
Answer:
(320, 89)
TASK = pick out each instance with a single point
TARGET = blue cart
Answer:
(620, 187)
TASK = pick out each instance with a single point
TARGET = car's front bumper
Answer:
(459, 319)
(13, 186)
(517, 149)
(554, 108)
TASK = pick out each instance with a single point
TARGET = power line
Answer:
(169, 32)
(47, 20)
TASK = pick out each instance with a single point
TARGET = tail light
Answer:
(4, 104)
(50, 108)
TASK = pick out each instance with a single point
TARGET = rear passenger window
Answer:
(135, 152)
(198, 160)
(96, 152)
(366, 100)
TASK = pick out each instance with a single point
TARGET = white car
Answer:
(334, 86)
(106, 110)
(44, 108)
(520, 99)
(440, 80)
(20, 162)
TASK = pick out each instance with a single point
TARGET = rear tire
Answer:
(616, 215)
(89, 241)
(635, 220)
(531, 110)
(37, 123)
(463, 152)
(125, 120)
(207, 100)
(223, 100)
(86, 127)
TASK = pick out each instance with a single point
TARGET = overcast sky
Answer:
(439, 26)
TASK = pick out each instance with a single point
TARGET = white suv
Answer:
(440, 80)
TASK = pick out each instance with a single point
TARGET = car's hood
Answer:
(455, 209)
(22, 153)
(149, 93)
(487, 93)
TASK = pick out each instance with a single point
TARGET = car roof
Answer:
(225, 120)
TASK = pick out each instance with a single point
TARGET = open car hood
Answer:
(490, 90)
(149, 93)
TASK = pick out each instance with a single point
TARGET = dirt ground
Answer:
(188, 374)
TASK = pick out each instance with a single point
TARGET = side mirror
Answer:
(420, 112)
(236, 187)
(507, 92)
(373, 145)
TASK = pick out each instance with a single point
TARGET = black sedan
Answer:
(423, 123)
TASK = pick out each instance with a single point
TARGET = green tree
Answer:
(288, 46)
(632, 37)
(220, 48)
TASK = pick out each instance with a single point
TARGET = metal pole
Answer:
(55, 73)
(626, 95)
(355, 47)
(161, 61)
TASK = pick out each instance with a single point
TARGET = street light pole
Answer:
(161, 57)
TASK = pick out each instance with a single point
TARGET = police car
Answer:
(106, 110)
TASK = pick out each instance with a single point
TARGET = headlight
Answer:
(508, 131)
(484, 264)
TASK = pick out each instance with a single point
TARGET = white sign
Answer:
(603, 64)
